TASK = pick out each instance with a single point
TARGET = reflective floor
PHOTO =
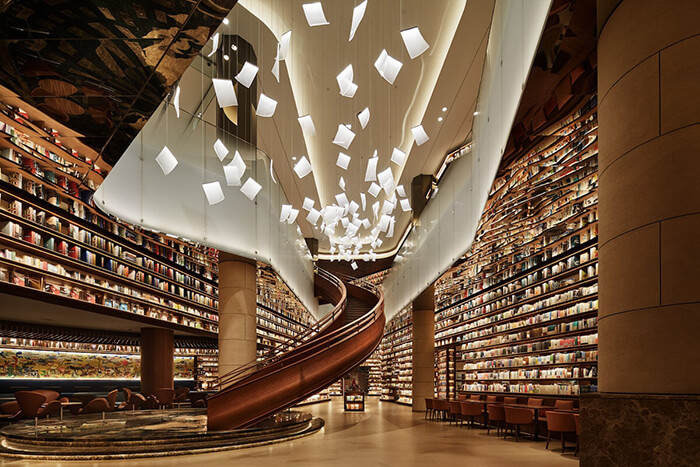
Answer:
(386, 434)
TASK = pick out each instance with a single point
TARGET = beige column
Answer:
(649, 245)
(157, 352)
(237, 305)
(423, 348)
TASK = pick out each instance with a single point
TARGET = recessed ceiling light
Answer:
(294, 158)
(226, 57)
(225, 21)
(444, 109)
(234, 47)
(439, 119)
(476, 113)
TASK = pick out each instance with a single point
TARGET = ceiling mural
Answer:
(101, 68)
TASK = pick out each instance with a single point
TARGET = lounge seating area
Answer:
(517, 418)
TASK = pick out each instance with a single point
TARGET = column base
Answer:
(639, 429)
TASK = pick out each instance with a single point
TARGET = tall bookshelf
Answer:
(518, 313)
(374, 362)
(397, 358)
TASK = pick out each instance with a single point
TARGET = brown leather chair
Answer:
(558, 405)
(112, 399)
(461, 397)
(99, 405)
(199, 404)
(578, 433)
(510, 400)
(455, 411)
(181, 395)
(10, 411)
(517, 417)
(560, 422)
(428, 408)
(165, 397)
(534, 402)
(30, 403)
(496, 414)
(441, 407)
(470, 410)
(127, 398)
(475, 397)
(491, 399)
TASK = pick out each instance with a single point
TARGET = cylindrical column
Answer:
(649, 245)
(157, 354)
(423, 348)
(237, 305)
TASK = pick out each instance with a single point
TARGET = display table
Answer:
(354, 401)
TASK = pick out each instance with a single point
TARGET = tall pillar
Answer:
(649, 245)
(237, 304)
(423, 348)
(157, 352)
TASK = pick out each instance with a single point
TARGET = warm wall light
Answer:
(343, 161)
(251, 188)
(225, 21)
(343, 137)
(307, 125)
(220, 149)
(314, 14)
(166, 160)
(247, 74)
(266, 106)
(357, 14)
(398, 157)
(444, 109)
(414, 42)
(419, 135)
(363, 117)
(213, 192)
(387, 66)
(371, 172)
(225, 94)
(302, 168)
(226, 57)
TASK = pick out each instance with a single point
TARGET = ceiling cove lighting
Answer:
(225, 94)
(247, 74)
(398, 157)
(302, 168)
(220, 149)
(343, 137)
(266, 106)
(166, 160)
(387, 66)
(314, 14)
(176, 101)
(363, 117)
(414, 42)
(251, 188)
(357, 14)
(307, 125)
(343, 161)
(419, 135)
(213, 192)
(215, 44)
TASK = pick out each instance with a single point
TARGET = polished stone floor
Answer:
(385, 435)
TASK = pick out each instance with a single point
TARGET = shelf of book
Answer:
(518, 313)
(374, 363)
(397, 358)
(336, 389)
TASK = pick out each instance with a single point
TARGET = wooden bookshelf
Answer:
(397, 358)
(518, 313)
(374, 363)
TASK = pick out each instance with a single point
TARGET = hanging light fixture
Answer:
(343, 161)
(357, 14)
(414, 42)
(213, 192)
(387, 66)
(225, 94)
(363, 117)
(314, 14)
(344, 137)
(251, 188)
(398, 157)
(266, 106)
(220, 149)
(166, 160)
(215, 44)
(302, 168)
(419, 135)
(307, 125)
(247, 74)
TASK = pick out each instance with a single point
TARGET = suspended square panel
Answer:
(371, 172)
(374, 189)
(387, 66)
(233, 175)
(302, 168)
(166, 160)
(419, 135)
(405, 205)
(276, 70)
(363, 117)
(390, 233)
(284, 45)
(354, 266)
(292, 216)
(314, 14)
(386, 180)
(353, 207)
(388, 207)
(266, 106)
(176, 101)
(414, 42)
(343, 137)
(341, 199)
(313, 216)
(343, 161)
(341, 183)
(220, 149)
(401, 191)
(363, 199)
(215, 44)
(251, 188)
(398, 157)
(225, 95)
(307, 125)
(357, 14)
(247, 74)
(308, 204)
(285, 212)
(384, 222)
(213, 192)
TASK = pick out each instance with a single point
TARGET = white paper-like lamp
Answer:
(308, 203)
(414, 42)
(215, 44)
(284, 45)
(176, 101)
(292, 216)
(285, 212)
(398, 157)
(388, 67)
(307, 125)
(405, 205)
(166, 160)
(276, 69)
(225, 94)
(313, 216)
(354, 264)
(251, 188)
(401, 192)
(357, 14)
(247, 74)
(266, 106)
(371, 172)
(353, 207)
(341, 183)
(363, 199)
(220, 149)
(419, 135)
(302, 168)
(233, 175)
(363, 117)
(314, 14)
(238, 162)
(343, 161)
(374, 189)
(344, 137)
(213, 192)
(345, 85)
(341, 199)
(386, 180)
